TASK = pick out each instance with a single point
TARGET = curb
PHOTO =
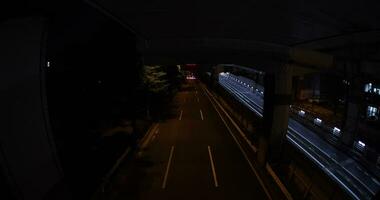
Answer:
(141, 144)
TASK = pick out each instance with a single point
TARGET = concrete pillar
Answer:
(277, 98)
(215, 73)
(28, 159)
(352, 112)
(296, 87)
(316, 85)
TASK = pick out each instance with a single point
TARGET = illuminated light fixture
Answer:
(317, 121)
(48, 64)
(301, 113)
(359, 145)
(336, 131)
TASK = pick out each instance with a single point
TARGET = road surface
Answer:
(192, 155)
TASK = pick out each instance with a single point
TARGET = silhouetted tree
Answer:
(156, 85)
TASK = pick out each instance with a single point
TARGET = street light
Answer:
(336, 131)
(359, 145)
(317, 121)
(301, 113)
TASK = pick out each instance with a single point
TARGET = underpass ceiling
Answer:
(280, 22)
(171, 27)
(201, 30)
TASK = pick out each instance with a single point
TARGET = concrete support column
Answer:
(277, 98)
(215, 73)
(352, 113)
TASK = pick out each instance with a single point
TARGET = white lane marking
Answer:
(145, 140)
(212, 167)
(155, 135)
(241, 148)
(180, 115)
(200, 111)
(278, 181)
(167, 168)
(232, 121)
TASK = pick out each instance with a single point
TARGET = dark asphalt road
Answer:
(189, 142)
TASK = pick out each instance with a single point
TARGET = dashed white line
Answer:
(212, 167)
(180, 115)
(167, 168)
(208, 94)
(200, 111)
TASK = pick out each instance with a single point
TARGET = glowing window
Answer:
(368, 87)
(372, 111)
(376, 90)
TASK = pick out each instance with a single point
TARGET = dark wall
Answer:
(92, 81)
(65, 77)
(27, 150)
